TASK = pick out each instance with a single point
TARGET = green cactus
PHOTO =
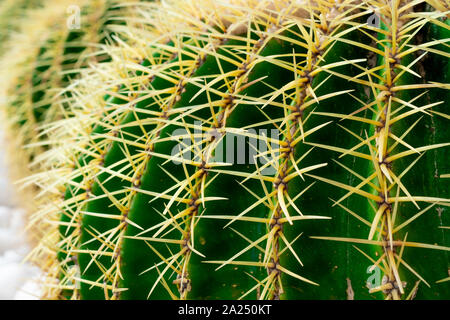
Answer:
(251, 149)
(50, 55)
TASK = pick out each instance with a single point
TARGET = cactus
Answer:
(42, 56)
(252, 150)
(49, 55)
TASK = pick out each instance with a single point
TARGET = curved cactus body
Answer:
(249, 149)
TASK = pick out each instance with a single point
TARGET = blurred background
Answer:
(18, 280)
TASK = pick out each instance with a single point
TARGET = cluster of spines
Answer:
(194, 44)
(72, 241)
(50, 62)
(391, 82)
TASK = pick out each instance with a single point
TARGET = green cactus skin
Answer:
(359, 185)
(433, 130)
